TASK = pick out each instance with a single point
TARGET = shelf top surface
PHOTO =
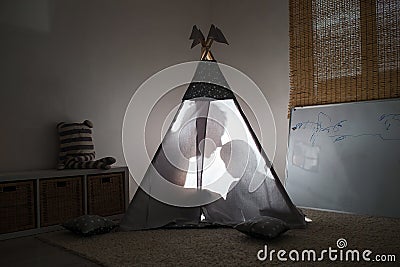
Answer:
(48, 173)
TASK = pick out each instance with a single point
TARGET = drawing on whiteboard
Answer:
(390, 119)
(337, 138)
(323, 124)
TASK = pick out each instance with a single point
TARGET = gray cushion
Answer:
(88, 225)
(263, 227)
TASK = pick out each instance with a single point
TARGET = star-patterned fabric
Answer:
(209, 82)
(88, 225)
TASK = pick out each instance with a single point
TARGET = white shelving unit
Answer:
(88, 176)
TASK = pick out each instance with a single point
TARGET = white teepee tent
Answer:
(210, 167)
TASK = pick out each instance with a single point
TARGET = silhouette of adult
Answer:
(244, 199)
(257, 192)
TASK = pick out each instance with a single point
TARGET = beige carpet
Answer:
(228, 247)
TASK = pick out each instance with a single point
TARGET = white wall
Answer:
(73, 60)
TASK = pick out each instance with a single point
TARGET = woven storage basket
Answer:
(17, 206)
(60, 199)
(106, 194)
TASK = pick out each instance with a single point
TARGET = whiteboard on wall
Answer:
(346, 157)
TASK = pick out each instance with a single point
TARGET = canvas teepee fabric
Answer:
(210, 167)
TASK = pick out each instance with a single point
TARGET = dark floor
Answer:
(30, 251)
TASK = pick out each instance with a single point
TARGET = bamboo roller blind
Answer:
(343, 51)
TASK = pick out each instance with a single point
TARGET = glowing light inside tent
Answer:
(225, 125)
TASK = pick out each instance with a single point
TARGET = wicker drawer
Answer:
(17, 206)
(60, 199)
(106, 194)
